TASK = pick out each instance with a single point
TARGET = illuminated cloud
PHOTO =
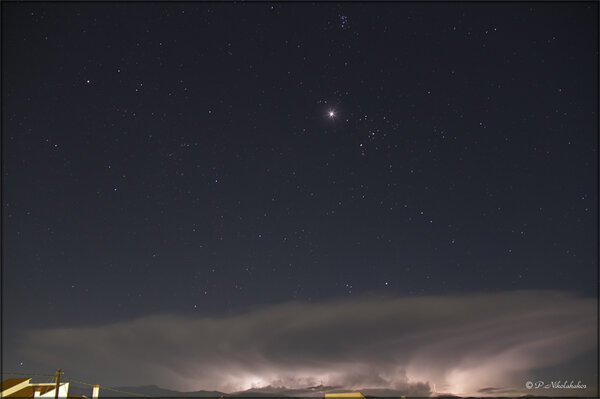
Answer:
(463, 344)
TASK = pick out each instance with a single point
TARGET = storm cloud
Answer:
(463, 344)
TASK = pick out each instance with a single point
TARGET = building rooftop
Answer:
(11, 382)
(27, 392)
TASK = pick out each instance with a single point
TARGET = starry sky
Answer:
(244, 184)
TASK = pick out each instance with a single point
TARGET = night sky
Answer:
(359, 195)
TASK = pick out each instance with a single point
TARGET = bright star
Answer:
(331, 114)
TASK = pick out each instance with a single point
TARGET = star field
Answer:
(207, 159)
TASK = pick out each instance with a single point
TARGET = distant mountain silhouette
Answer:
(268, 391)
(150, 390)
